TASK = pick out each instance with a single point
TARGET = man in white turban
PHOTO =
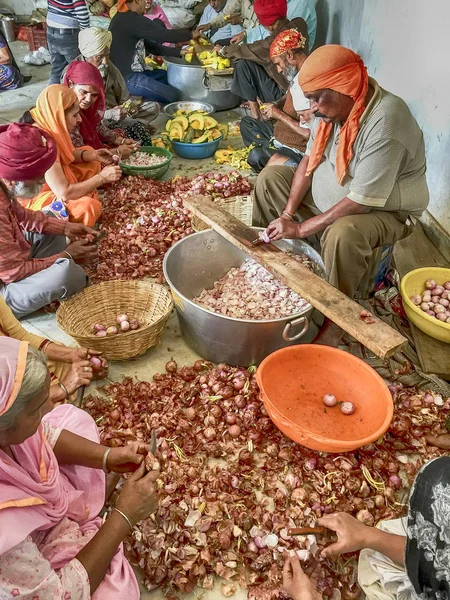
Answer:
(94, 44)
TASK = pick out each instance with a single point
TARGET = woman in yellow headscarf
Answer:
(71, 183)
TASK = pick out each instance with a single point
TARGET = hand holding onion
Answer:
(352, 534)
(127, 459)
(296, 583)
(138, 498)
(80, 374)
(283, 229)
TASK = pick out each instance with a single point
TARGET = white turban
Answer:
(93, 40)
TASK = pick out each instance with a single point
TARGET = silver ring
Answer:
(86, 368)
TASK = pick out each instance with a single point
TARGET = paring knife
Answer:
(153, 442)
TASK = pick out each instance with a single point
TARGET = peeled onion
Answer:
(124, 326)
(121, 318)
(329, 400)
(347, 408)
(112, 330)
(101, 333)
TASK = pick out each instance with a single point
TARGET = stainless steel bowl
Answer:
(172, 108)
(196, 262)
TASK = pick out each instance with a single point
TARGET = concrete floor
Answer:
(12, 106)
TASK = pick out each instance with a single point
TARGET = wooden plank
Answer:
(378, 337)
(217, 73)
(414, 252)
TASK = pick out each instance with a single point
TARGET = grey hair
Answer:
(32, 383)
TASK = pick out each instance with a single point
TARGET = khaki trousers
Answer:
(346, 245)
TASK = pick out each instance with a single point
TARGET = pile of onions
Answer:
(144, 159)
(123, 324)
(143, 218)
(251, 292)
(434, 300)
(229, 517)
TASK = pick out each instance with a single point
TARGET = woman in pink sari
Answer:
(53, 545)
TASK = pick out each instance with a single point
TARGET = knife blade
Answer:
(306, 530)
(153, 442)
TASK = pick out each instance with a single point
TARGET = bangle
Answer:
(123, 141)
(44, 344)
(64, 389)
(67, 254)
(82, 152)
(104, 459)
(125, 517)
(291, 217)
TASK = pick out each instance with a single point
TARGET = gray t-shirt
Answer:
(387, 171)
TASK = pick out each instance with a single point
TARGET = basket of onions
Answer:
(122, 319)
(426, 300)
(240, 207)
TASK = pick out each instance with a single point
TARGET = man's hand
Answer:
(197, 33)
(352, 535)
(271, 111)
(235, 19)
(238, 38)
(217, 48)
(75, 231)
(296, 584)
(283, 229)
(127, 459)
(82, 250)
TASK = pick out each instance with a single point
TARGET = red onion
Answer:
(395, 481)
(134, 324)
(329, 400)
(171, 366)
(121, 318)
(447, 285)
(365, 517)
(430, 284)
(234, 431)
(209, 433)
(98, 327)
(96, 364)
(347, 408)
(101, 333)
(124, 326)
(230, 418)
(416, 300)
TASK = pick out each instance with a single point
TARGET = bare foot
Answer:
(330, 334)
(254, 110)
(441, 441)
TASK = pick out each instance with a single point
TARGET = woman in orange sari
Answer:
(71, 183)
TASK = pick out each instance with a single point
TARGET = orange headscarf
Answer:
(339, 69)
(48, 114)
(122, 6)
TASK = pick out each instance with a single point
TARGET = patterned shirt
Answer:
(15, 261)
(387, 171)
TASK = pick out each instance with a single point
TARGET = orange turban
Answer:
(122, 6)
(289, 39)
(339, 69)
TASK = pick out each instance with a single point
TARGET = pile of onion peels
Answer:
(231, 484)
(143, 218)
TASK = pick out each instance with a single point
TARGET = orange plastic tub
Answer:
(293, 382)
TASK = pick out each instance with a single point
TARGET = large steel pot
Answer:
(194, 84)
(196, 262)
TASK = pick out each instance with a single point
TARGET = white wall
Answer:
(20, 7)
(406, 47)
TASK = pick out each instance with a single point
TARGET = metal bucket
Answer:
(199, 260)
(194, 84)
(7, 25)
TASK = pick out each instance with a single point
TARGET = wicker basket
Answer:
(148, 302)
(240, 207)
(36, 36)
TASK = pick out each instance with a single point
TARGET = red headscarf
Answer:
(83, 73)
(26, 152)
(340, 69)
(289, 39)
(269, 11)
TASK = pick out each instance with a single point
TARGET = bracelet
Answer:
(82, 152)
(123, 141)
(67, 254)
(288, 215)
(104, 459)
(44, 344)
(125, 517)
(64, 389)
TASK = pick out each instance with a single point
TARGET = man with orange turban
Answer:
(364, 164)
(256, 77)
(285, 141)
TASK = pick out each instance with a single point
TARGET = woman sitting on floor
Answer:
(87, 83)
(70, 188)
(69, 368)
(52, 487)
(10, 76)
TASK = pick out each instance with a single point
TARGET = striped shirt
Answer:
(15, 261)
(67, 14)
(387, 171)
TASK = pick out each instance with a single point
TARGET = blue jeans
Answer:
(152, 85)
(63, 48)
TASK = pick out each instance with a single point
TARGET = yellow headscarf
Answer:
(49, 115)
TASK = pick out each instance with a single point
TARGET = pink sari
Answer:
(48, 513)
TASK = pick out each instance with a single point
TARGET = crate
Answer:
(36, 36)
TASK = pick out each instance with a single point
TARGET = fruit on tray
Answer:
(195, 127)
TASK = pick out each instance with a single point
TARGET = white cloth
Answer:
(93, 40)
(379, 577)
(299, 99)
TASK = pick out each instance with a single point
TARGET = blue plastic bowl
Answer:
(196, 150)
